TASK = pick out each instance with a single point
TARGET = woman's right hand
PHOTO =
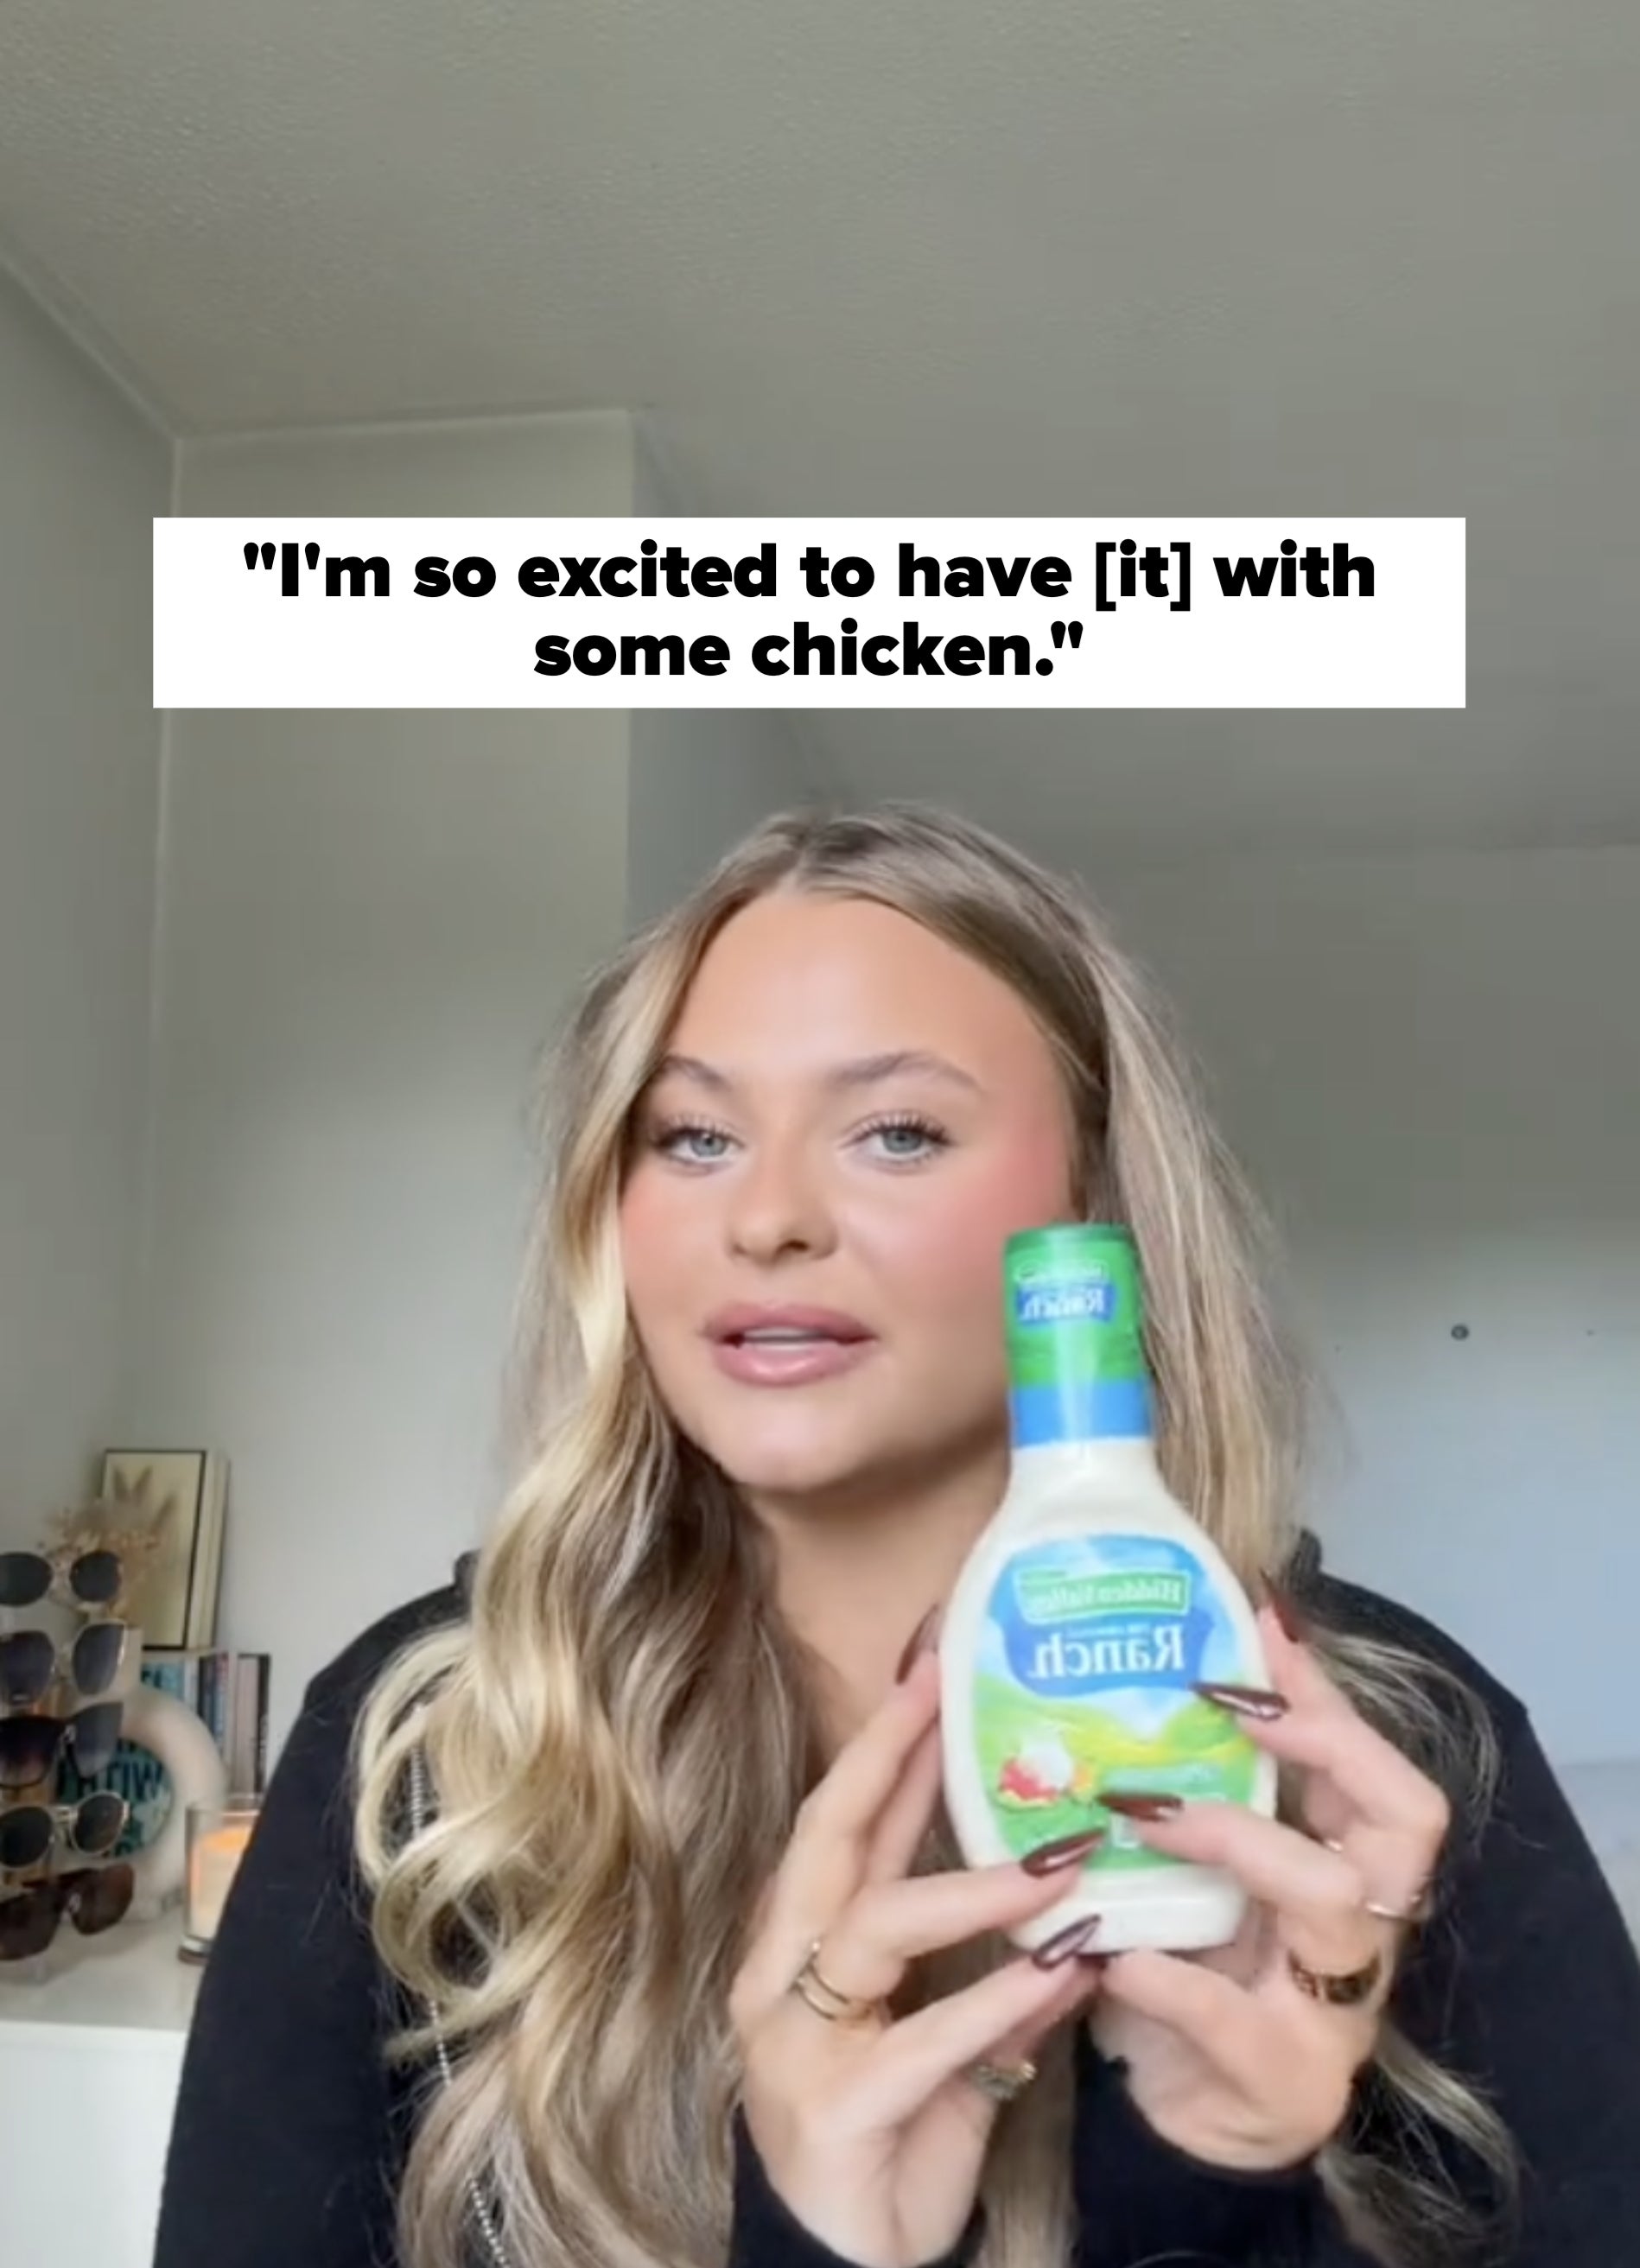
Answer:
(870, 2132)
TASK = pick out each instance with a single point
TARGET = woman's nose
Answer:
(778, 1203)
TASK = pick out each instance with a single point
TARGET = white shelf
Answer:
(130, 1979)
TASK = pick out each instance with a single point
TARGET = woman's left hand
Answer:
(1245, 2058)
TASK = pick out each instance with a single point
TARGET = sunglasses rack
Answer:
(63, 1656)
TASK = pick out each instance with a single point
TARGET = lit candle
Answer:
(213, 1860)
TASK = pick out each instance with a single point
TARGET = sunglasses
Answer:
(92, 1580)
(29, 1831)
(94, 1898)
(30, 1745)
(31, 1659)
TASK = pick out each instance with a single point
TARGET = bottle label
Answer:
(1072, 1320)
(1089, 1648)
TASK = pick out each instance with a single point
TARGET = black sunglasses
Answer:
(91, 1827)
(93, 1578)
(30, 1658)
(30, 1745)
(93, 1898)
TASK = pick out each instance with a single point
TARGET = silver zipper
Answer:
(497, 2252)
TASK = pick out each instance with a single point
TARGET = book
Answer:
(248, 1736)
(215, 1691)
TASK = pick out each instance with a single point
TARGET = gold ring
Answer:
(836, 2007)
(1417, 1908)
(1347, 1990)
(1001, 2081)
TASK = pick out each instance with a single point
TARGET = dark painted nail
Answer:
(1285, 1610)
(921, 1639)
(1247, 1701)
(1064, 1942)
(1132, 1804)
(1048, 1857)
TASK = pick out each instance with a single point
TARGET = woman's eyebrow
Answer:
(864, 1070)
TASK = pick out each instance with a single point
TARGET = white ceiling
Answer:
(945, 256)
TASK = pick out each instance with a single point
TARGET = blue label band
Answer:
(1080, 1410)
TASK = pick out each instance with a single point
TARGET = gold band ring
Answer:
(1417, 1908)
(825, 2000)
(1002, 2082)
(1347, 1990)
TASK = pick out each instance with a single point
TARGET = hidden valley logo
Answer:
(1087, 1297)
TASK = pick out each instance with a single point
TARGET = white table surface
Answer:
(130, 1979)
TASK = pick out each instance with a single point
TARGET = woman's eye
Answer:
(694, 1145)
(897, 1141)
(907, 1140)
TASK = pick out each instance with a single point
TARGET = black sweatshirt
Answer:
(290, 2130)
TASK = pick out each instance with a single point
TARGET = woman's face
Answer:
(852, 1118)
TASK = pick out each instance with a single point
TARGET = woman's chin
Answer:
(793, 1468)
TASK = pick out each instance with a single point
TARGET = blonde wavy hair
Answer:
(617, 1739)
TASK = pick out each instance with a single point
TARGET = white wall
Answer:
(700, 778)
(1433, 1067)
(82, 476)
(369, 922)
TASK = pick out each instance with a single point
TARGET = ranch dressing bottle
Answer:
(1086, 1612)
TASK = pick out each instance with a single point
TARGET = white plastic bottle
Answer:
(1089, 1609)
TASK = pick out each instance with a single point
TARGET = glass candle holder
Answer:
(217, 1834)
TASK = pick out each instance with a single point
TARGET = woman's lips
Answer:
(787, 1362)
(786, 1346)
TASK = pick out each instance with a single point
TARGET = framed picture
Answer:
(179, 1498)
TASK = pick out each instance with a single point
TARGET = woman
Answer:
(637, 1835)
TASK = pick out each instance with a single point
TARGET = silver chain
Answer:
(486, 2219)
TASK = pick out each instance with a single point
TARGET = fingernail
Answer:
(1047, 1857)
(1282, 1605)
(1132, 1804)
(1246, 1700)
(1064, 1942)
(921, 1639)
